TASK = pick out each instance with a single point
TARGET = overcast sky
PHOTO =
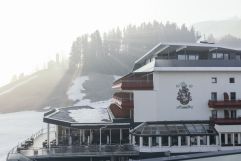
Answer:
(33, 31)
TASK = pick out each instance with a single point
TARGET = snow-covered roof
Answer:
(79, 116)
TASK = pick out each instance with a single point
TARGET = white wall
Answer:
(161, 104)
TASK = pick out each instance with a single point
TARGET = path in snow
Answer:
(18, 84)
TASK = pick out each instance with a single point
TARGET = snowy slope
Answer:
(18, 85)
(17, 127)
(75, 93)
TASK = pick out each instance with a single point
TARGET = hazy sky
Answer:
(33, 31)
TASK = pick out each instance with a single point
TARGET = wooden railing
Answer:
(224, 103)
(134, 85)
(226, 121)
(123, 102)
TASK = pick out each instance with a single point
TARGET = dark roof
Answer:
(167, 129)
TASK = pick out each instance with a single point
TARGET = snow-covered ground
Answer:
(17, 127)
(75, 93)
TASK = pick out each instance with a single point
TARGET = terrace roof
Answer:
(169, 129)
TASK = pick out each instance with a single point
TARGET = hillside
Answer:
(44, 88)
(220, 28)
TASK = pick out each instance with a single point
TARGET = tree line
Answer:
(115, 51)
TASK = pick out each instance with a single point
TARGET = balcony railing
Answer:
(224, 103)
(134, 85)
(226, 121)
(123, 102)
(90, 150)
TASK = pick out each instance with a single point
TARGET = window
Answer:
(181, 57)
(217, 55)
(193, 57)
(231, 80)
(214, 79)
(233, 95)
(233, 114)
(237, 57)
(226, 114)
(214, 113)
(214, 96)
(226, 56)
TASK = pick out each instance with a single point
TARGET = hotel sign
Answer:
(184, 95)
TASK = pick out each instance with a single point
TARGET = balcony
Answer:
(226, 121)
(135, 81)
(224, 103)
(123, 100)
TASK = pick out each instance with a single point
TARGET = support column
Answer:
(179, 141)
(69, 138)
(57, 135)
(198, 140)
(226, 138)
(80, 137)
(48, 134)
(133, 140)
(160, 141)
(232, 139)
(141, 141)
(150, 141)
(169, 140)
(100, 138)
(208, 140)
(218, 140)
(110, 136)
(120, 135)
(88, 140)
(91, 136)
(83, 135)
(188, 141)
(239, 137)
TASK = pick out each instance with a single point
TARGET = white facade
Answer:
(161, 104)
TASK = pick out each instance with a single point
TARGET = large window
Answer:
(193, 57)
(214, 113)
(233, 114)
(203, 140)
(233, 95)
(182, 57)
(220, 56)
(174, 140)
(214, 96)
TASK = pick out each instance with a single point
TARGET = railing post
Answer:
(48, 136)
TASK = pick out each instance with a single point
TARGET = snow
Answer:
(17, 127)
(87, 115)
(47, 108)
(18, 84)
(75, 93)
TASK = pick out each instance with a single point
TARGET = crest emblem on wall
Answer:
(184, 95)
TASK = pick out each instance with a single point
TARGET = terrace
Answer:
(135, 81)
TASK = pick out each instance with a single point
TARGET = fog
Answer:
(32, 32)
